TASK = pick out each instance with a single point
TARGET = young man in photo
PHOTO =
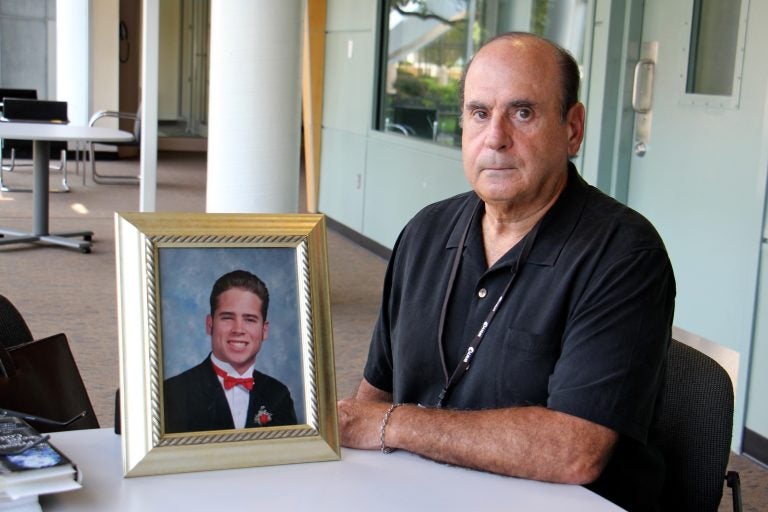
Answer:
(225, 390)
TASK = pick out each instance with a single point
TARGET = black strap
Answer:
(463, 366)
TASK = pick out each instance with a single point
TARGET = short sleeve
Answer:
(379, 369)
(615, 344)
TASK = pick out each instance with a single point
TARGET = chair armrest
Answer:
(734, 482)
(111, 113)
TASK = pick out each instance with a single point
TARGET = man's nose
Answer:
(238, 325)
(499, 133)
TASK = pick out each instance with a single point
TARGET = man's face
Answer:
(237, 328)
(515, 145)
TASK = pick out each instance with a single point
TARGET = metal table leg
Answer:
(41, 160)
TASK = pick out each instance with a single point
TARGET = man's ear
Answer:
(208, 324)
(575, 121)
(265, 330)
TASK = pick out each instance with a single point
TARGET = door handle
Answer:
(642, 96)
(642, 87)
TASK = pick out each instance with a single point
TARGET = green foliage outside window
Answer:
(428, 46)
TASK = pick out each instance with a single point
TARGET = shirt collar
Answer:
(231, 371)
(561, 219)
(461, 222)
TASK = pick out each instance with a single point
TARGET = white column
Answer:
(149, 89)
(73, 77)
(254, 106)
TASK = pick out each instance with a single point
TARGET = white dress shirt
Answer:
(238, 396)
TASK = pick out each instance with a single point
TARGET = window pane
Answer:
(714, 37)
(428, 43)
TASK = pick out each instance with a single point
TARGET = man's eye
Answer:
(480, 114)
(523, 114)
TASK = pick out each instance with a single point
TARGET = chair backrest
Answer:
(13, 329)
(695, 420)
(18, 109)
(35, 111)
(419, 120)
(18, 145)
(29, 94)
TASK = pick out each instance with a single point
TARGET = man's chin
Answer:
(497, 193)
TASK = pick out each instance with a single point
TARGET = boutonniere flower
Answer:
(263, 416)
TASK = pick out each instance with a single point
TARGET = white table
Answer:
(41, 135)
(362, 481)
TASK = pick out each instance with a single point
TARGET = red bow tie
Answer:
(230, 382)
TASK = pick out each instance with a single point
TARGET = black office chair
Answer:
(13, 329)
(696, 421)
(39, 378)
(11, 148)
(36, 111)
(136, 118)
(418, 121)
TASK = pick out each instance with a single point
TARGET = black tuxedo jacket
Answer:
(194, 400)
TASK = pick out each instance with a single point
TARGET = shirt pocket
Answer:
(524, 364)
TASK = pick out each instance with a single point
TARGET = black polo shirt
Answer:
(584, 329)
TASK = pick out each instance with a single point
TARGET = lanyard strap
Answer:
(463, 366)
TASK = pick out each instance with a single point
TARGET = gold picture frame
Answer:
(149, 248)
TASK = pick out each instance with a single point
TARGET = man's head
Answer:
(238, 322)
(570, 76)
(521, 121)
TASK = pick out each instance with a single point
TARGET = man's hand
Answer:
(360, 417)
(360, 423)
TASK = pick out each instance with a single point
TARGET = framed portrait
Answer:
(226, 350)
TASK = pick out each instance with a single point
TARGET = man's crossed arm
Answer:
(527, 442)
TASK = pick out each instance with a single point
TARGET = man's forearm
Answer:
(528, 442)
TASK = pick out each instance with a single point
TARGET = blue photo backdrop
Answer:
(186, 278)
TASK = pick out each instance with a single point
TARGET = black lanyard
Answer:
(463, 366)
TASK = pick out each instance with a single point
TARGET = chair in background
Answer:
(13, 329)
(418, 121)
(695, 422)
(102, 178)
(9, 148)
(40, 378)
(33, 110)
(29, 94)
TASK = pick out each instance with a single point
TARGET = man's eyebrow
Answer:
(473, 105)
(521, 103)
(510, 105)
(228, 312)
